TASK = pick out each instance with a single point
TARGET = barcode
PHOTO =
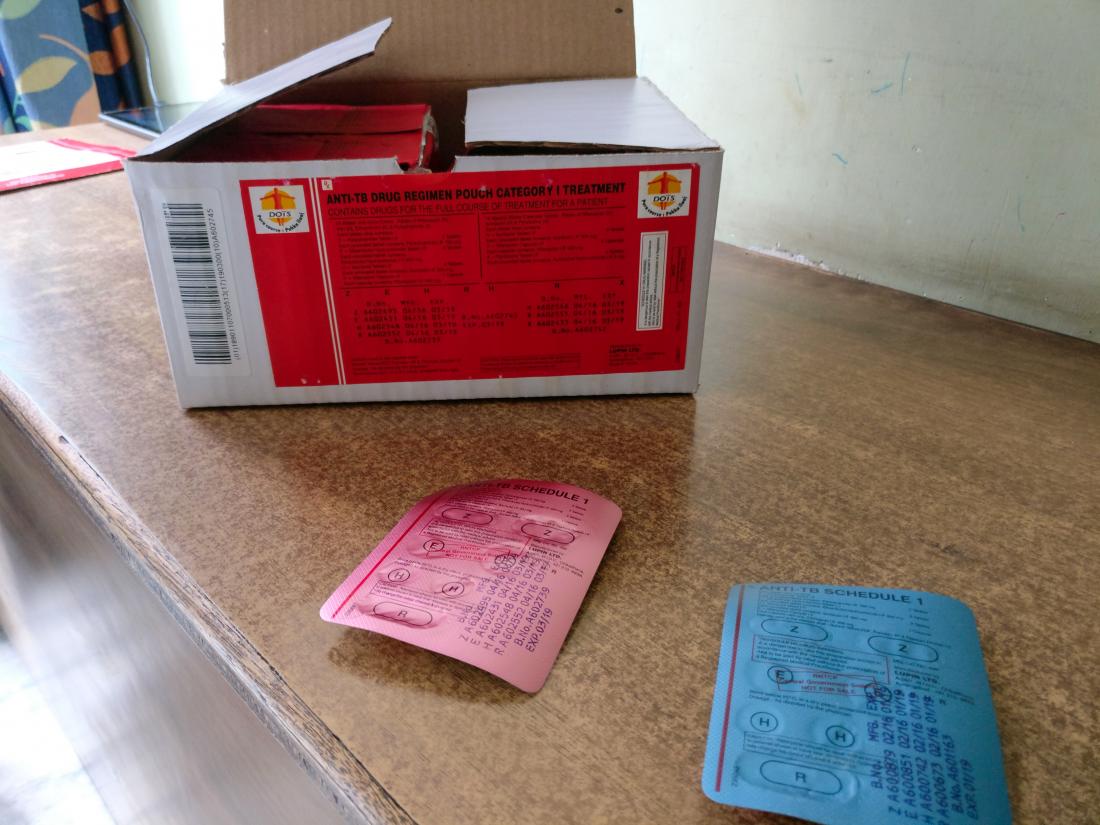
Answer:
(193, 261)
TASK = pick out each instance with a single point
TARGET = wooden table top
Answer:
(843, 433)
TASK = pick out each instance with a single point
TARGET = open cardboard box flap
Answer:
(624, 112)
(479, 42)
(236, 98)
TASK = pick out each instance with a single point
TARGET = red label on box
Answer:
(474, 274)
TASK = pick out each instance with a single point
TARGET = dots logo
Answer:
(278, 209)
(663, 194)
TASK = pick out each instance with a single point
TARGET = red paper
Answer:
(47, 161)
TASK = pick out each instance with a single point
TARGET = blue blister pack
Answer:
(854, 706)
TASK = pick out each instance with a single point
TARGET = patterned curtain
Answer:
(62, 62)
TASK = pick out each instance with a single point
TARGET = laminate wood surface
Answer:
(843, 433)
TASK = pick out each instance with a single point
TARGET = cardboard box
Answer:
(405, 132)
(561, 246)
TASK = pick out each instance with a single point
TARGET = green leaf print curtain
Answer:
(62, 62)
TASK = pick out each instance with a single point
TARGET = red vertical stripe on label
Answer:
(385, 555)
(290, 282)
(729, 692)
(323, 254)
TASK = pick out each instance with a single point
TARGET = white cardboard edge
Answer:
(239, 96)
(625, 111)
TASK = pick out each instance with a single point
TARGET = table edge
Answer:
(357, 794)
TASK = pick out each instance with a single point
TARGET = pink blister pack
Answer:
(491, 573)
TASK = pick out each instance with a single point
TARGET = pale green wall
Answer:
(950, 148)
(186, 42)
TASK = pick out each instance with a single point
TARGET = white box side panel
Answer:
(255, 386)
(627, 111)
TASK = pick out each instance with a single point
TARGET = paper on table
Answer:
(491, 573)
(46, 161)
(854, 706)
